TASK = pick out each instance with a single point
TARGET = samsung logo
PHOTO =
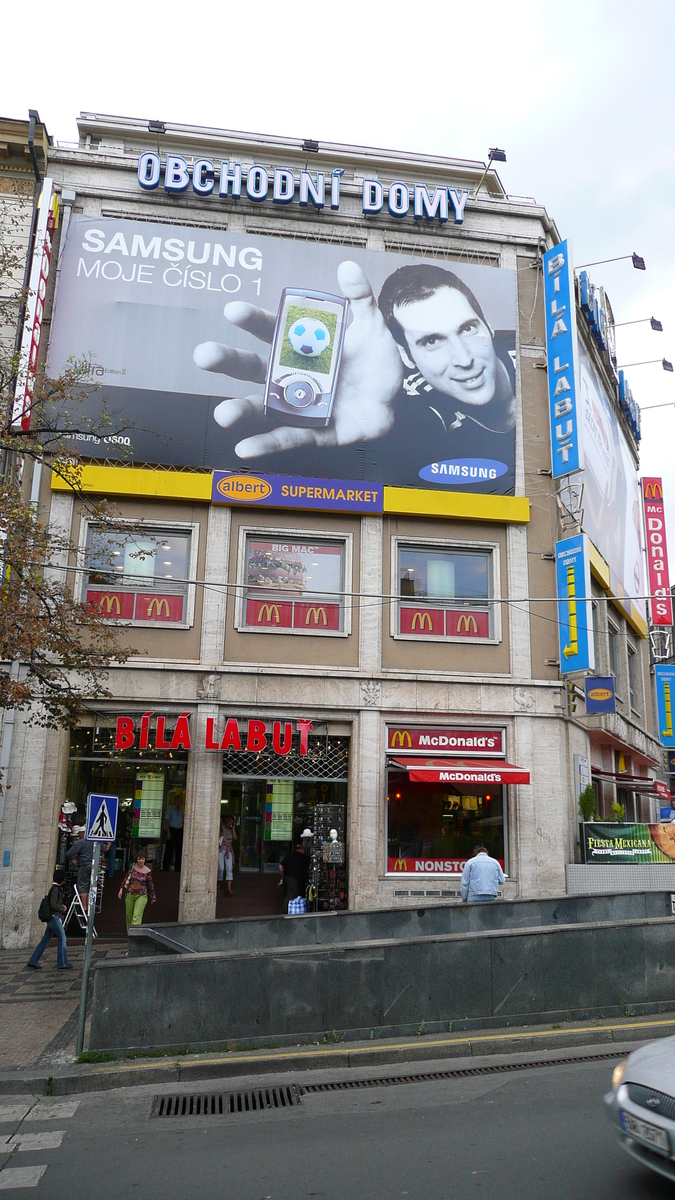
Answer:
(463, 470)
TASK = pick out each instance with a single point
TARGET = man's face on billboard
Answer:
(450, 345)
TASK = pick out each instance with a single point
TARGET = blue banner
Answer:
(561, 350)
(665, 701)
(575, 616)
(290, 491)
(600, 695)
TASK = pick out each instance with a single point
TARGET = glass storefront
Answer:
(434, 827)
(271, 814)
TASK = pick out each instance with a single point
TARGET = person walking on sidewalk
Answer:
(136, 888)
(53, 927)
(83, 853)
(481, 878)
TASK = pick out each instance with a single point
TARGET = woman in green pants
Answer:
(136, 888)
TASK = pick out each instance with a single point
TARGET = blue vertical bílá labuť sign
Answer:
(575, 617)
(665, 701)
(561, 350)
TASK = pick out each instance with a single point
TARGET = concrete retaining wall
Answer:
(256, 933)
(387, 987)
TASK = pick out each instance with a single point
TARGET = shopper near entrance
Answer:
(481, 878)
(137, 887)
(53, 927)
(174, 820)
(82, 852)
(294, 871)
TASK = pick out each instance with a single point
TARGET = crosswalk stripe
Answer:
(37, 1141)
(21, 1177)
(13, 1112)
(53, 1110)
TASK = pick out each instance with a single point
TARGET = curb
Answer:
(86, 1077)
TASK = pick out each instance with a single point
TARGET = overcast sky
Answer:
(580, 94)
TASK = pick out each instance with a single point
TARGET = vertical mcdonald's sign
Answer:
(561, 350)
(665, 702)
(575, 616)
(660, 603)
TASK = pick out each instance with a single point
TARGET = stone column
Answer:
(366, 842)
(199, 871)
(214, 600)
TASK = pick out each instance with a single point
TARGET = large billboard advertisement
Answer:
(234, 350)
(615, 843)
(611, 486)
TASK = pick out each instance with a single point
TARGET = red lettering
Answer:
(145, 729)
(160, 742)
(211, 743)
(303, 729)
(181, 734)
(256, 736)
(279, 746)
(231, 739)
(124, 733)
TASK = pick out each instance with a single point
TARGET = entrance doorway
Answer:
(269, 817)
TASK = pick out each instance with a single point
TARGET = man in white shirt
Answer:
(481, 878)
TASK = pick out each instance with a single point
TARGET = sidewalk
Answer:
(39, 1009)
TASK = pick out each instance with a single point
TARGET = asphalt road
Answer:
(533, 1135)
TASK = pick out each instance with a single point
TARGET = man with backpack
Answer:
(51, 911)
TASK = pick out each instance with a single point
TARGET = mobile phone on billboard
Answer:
(305, 360)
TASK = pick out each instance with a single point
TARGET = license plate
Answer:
(651, 1134)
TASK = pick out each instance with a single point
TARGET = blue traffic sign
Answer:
(102, 817)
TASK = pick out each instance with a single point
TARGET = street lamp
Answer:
(494, 155)
(667, 366)
(656, 325)
(637, 260)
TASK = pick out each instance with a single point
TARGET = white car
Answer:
(642, 1105)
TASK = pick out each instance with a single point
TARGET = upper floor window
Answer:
(613, 650)
(140, 575)
(633, 691)
(445, 591)
(294, 584)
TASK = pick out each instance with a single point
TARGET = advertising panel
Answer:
(575, 618)
(235, 351)
(661, 604)
(445, 740)
(600, 697)
(629, 843)
(611, 485)
(286, 491)
(561, 346)
(47, 221)
(664, 677)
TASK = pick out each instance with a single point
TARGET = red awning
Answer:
(462, 770)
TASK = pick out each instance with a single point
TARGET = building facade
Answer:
(347, 615)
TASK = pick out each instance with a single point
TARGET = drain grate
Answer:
(222, 1104)
(348, 1085)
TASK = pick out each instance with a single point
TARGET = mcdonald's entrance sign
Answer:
(444, 740)
(660, 603)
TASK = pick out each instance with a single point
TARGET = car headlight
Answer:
(618, 1074)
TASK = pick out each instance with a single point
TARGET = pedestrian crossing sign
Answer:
(102, 817)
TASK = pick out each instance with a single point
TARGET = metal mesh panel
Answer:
(326, 758)
(330, 235)
(428, 248)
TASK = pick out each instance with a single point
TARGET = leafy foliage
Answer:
(54, 654)
(587, 803)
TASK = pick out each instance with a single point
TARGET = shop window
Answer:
(446, 592)
(294, 584)
(141, 576)
(633, 691)
(433, 830)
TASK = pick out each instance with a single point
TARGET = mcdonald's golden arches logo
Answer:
(111, 604)
(318, 614)
(467, 623)
(400, 865)
(401, 737)
(653, 490)
(423, 619)
(159, 608)
(267, 611)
